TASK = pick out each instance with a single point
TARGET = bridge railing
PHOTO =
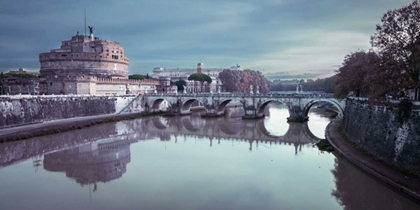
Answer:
(270, 95)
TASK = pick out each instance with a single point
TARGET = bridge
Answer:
(298, 104)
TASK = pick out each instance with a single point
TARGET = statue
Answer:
(90, 29)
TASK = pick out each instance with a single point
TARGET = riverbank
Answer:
(63, 125)
(396, 179)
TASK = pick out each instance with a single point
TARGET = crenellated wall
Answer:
(25, 110)
(385, 132)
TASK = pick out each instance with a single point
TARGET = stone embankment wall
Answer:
(16, 111)
(387, 132)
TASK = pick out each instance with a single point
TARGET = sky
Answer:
(307, 38)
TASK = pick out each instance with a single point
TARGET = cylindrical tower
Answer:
(85, 56)
(200, 68)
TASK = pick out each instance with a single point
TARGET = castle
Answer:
(82, 65)
(88, 65)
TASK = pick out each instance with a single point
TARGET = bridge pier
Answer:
(297, 115)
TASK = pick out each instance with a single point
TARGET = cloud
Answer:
(325, 50)
(289, 35)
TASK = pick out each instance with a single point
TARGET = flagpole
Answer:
(85, 21)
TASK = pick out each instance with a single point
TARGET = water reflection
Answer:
(189, 162)
(356, 190)
(99, 161)
(263, 130)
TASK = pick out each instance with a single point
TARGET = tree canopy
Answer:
(352, 74)
(180, 84)
(398, 38)
(137, 76)
(200, 77)
(240, 80)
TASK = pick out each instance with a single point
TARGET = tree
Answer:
(323, 84)
(383, 79)
(1, 83)
(240, 81)
(351, 76)
(180, 84)
(397, 37)
(136, 76)
(200, 77)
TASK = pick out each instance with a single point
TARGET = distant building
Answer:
(194, 86)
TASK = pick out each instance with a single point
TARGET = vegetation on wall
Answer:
(20, 75)
(139, 76)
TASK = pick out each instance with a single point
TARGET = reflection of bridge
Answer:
(150, 128)
(254, 105)
(226, 129)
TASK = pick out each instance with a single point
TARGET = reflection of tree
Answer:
(355, 190)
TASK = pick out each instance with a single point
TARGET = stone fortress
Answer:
(88, 65)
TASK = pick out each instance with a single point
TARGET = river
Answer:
(188, 162)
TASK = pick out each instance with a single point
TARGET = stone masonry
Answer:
(382, 131)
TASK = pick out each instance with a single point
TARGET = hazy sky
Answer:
(295, 36)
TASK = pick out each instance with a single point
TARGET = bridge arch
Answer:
(261, 108)
(160, 123)
(222, 105)
(156, 103)
(193, 124)
(186, 104)
(335, 103)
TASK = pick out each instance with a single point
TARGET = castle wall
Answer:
(70, 67)
(385, 132)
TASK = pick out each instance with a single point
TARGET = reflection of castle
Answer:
(100, 161)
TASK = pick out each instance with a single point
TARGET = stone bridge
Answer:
(298, 104)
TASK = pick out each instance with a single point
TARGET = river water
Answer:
(188, 162)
